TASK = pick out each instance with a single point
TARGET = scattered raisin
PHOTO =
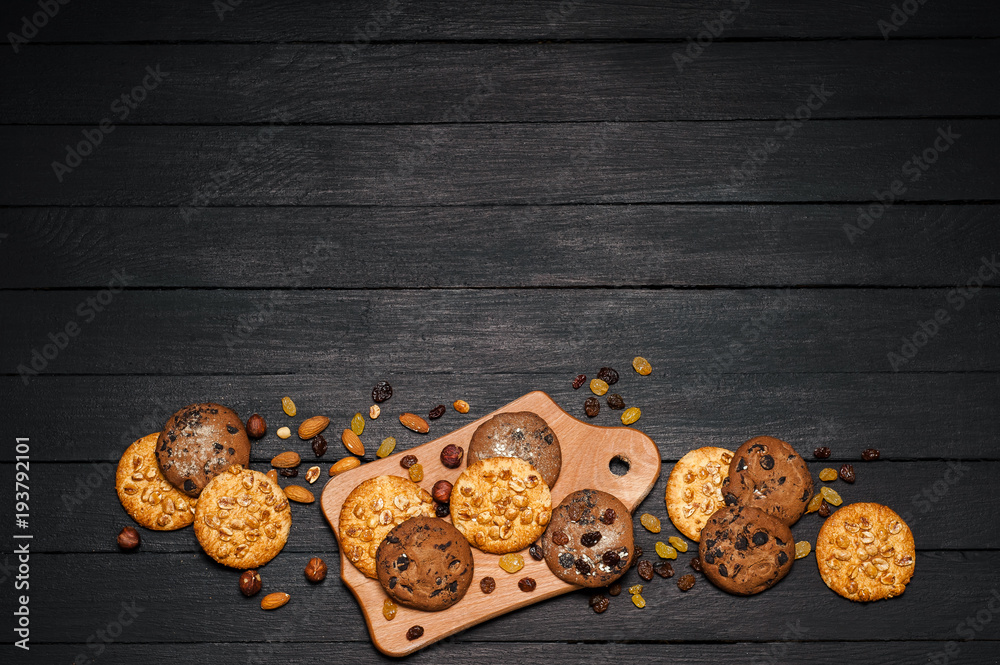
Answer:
(560, 538)
(686, 582)
(821, 453)
(608, 516)
(380, 393)
(289, 473)
(442, 510)
(824, 509)
(416, 473)
(591, 407)
(827, 474)
(608, 376)
(415, 632)
(664, 569)
(870, 454)
(599, 603)
(696, 564)
(487, 584)
(847, 473)
(616, 401)
(579, 381)
(590, 538)
(408, 461)
(645, 569)
(536, 552)
(636, 554)
(615, 588)
(526, 584)
(319, 445)
(436, 412)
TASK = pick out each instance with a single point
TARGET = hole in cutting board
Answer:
(619, 465)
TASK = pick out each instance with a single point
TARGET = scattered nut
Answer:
(316, 570)
(352, 442)
(312, 475)
(451, 456)
(441, 491)
(256, 426)
(283, 432)
(299, 494)
(273, 601)
(272, 474)
(286, 460)
(345, 464)
(374, 411)
(414, 422)
(461, 406)
(250, 583)
(128, 538)
(310, 427)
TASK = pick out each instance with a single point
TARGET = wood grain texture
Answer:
(650, 245)
(586, 454)
(534, 82)
(535, 164)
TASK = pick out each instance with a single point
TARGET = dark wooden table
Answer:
(789, 209)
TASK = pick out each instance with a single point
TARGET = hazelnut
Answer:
(441, 491)
(316, 570)
(128, 538)
(250, 583)
(452, 455)
(256, 427)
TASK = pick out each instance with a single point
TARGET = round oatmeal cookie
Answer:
(501, 504)
(865, 551)
(243, 519)
(522, 434)
(425, 563)
(145, 493)
(372, 509)
(744, 550)
(589, 540)
(198, 443)
(694, 489)
(767, 473)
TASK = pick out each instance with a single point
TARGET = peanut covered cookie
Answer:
(767, 473)
(522, 434)
(501, 504)
(589, 540)
(242, 519)
(198, 443)
(694, 489)
(865, 551)
(425, 563)
(372, 509)
(744, 550)
(145, 493)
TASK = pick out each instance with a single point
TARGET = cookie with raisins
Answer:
(768, 474)
(589, 540)
(744, 550)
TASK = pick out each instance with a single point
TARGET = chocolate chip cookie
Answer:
(425, 563)
(589, 541)
(198, 443)
(768, 474)
(522, 434)
(744, 550)
(145, 493)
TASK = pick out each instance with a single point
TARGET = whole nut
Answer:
(316, 570)
(273, 601)
(441, 491)
(250, 583)
(256, 426)
(452, 455)
(128, 538)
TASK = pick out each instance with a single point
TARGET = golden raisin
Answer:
(358, 424)
(802, 549)
(678, 544)
(665, 551)
(651, 522)
(638, 601)
(417, 473)
(828, 474)
(598, 387)
(387, 446)
(461, 406)
(814, 504)
(630, 415)
(831, 496)
(635, 589)
(389, 610)
(288, 406)
(512, 562)
(641, 365)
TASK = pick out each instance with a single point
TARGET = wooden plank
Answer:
(358, 21)
(907, 416)
(161, 585)
(705, 334)
(654, 245)
(532, 82)
(508, 163)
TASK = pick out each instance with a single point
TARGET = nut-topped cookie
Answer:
(425, 563)
(589, 540)
(768, 474)
(242, 520)
(198, 443)
(372, 509)
(865, 551)
(743, 550)
(146, 494)
(501, 504)
(694, 489)
(522, 434)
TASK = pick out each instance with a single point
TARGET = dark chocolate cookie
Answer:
(521, 434)
(425, 563)
(198, 443)
(589, 540)
(744, 550)
(768, 474)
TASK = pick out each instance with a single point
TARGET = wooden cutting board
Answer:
(587, 451)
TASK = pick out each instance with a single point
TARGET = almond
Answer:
(299, 494)
(414, 422)
(272, 474)
(345, 464)
(286, 460)
(352, 442)
(273, 601)
(313, 426)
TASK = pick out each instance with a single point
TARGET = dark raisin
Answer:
(441, 509)
(608, 516)
(696, 564)
(289, 473)
(526, 584)
(600, 603)
(436, 412)
(686, 582)
(664, 569)
(636, 555)
(319, 445)
(536, 552)
(590, 538)
(824, 509)
(615, 588)
(487, 584)
(582, 567)
(821, 453)
(408, 461)
(560, 538)
(380, 393)
(870, 454)
(611, 559)
(616, 401)
(847, 473)
(415, 632)
(608, 375)
(579, 381)
(645, 569)
(591, 407)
